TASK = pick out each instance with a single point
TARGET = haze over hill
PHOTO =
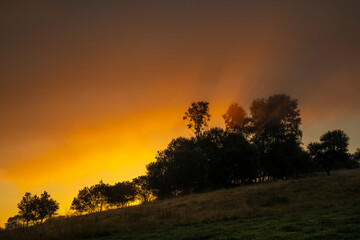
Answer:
(91, 90)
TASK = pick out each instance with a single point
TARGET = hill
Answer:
(313, 207)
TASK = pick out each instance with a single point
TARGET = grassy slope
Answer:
(333, 223)
(282, 199)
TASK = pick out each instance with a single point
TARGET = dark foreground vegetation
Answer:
(322, 207)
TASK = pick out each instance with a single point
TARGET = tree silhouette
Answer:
(274, 119)
(265, 145)
(143, 190)
(85, 201)
(121, 193)
(355, 157)
(332, 150)
(235, 118)
(197, 116)
(240, 160)
(90, 199)
(103, 196)
(284, 159)
(45, 206)
(34, 208)
(14, 222)
(99, 195)
(211, 144)
(27, 208)
(156, 173)
(179, 169)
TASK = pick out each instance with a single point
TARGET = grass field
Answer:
(307, 208)
(333, 223)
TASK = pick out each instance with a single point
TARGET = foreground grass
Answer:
(244, 202)
(334, 223)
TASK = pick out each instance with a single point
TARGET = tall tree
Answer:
(276, 118)
(46, 207)
(27, 208)
(99, 195)
(197, 116)
(273, 122)
(235, 118)
(211, 144)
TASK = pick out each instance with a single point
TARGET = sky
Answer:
(91, 90)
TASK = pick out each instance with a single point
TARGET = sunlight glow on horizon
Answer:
(113, 151)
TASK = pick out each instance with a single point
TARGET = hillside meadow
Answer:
(330, 223)
(312, 207)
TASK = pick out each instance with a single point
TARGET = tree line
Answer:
(103, 196)
(262, 145)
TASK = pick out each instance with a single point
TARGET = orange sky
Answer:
(90, 90)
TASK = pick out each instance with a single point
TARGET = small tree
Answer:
(355, 158)
(331, 151)
(197, 116)
(14, 222)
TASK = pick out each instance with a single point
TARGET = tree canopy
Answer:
(274, 119)
(274, 127)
